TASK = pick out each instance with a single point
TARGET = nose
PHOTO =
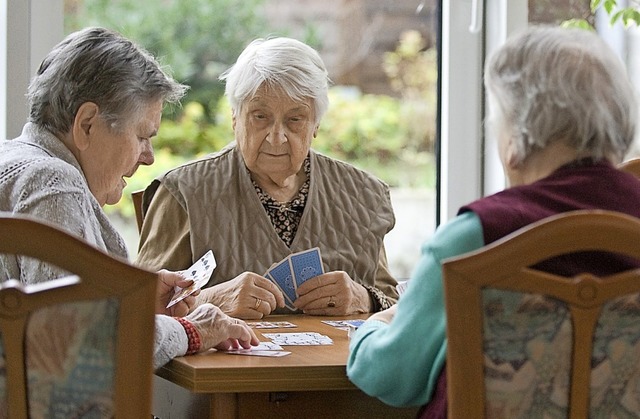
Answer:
(146, 156)
(277, 134)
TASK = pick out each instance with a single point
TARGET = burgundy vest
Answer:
(580, 185)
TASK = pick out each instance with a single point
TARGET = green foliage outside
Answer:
(629, 15)
(198, 39)
(390, 137)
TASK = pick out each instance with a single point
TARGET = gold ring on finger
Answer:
(258, 302)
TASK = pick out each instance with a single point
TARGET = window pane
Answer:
(380, 56)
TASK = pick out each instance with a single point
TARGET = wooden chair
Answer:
(78, 346)
(524, 343)
(632, 166)
(136, 198)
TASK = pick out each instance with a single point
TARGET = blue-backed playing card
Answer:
(305, 265)
(287, 302)
(283, 277)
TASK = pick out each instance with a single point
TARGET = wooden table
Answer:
(311, 382)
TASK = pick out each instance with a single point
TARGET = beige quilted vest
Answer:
(347, 215)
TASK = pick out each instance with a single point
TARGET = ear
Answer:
(511, 159)
(84, 125)
(233, 121)
(315, 131)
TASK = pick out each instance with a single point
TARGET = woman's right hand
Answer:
(247, 296)
(217, 330)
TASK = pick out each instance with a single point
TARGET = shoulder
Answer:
(345, 171)
(221, 160)
(462, 234)
(36, 168)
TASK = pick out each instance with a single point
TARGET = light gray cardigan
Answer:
(39, 176)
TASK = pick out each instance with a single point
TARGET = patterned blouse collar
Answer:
(285, 216)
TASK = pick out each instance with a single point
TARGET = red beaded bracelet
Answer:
(192, 335)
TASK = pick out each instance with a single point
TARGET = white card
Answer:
(260, 353)
(304, 338)
(200, 272)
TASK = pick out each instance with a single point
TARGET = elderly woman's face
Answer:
(116, 154)
(274, 133)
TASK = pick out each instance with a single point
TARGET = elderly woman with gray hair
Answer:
(563, 111)
(95, 104)
(269, 195)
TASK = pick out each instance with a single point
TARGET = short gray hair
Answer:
(283, 63)
(553, 83)
(100, 66)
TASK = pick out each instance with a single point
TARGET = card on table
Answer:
(270, 325)
(344, 324)
(306, 265)
(259, 353)
(263, 349)
(200, 272)
(304, 338)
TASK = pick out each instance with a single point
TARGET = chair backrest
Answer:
(631, 166)
(78, 346)
(136, 198)
(525, 343)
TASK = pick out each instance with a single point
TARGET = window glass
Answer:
(381, 59)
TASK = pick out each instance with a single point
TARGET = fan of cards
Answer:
(293, 271)
(200, 272)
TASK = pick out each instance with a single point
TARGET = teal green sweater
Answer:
(400, 362)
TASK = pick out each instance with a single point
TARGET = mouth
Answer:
(276, 154)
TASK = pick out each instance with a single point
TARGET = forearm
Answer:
(170, 340)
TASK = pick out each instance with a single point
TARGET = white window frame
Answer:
(28, 30)
(470, 167)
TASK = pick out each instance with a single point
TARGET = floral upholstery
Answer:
(527, 344)
(70, 357)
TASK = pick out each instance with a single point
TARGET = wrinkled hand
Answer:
(217, 330)
(170, 282)
(247, 296)
(332, 294)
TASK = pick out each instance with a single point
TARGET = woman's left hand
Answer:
(333, 294)
(168, 283)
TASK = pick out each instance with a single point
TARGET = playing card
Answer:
(304, 338)
(305, 265)
(287, 301)
(262, 346)
(270, 325)
(200, 272)
(283, 277)
(263, 349)
(250, 352)
(343, 324)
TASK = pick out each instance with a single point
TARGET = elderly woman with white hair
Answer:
(269, 195)
(563, 111)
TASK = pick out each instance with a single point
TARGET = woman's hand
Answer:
(247, 296)
(333, 294)
(217, 330)
(170, 282)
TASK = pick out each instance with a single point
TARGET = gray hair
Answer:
(552, 83)
(100, 66)
(283, 63)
